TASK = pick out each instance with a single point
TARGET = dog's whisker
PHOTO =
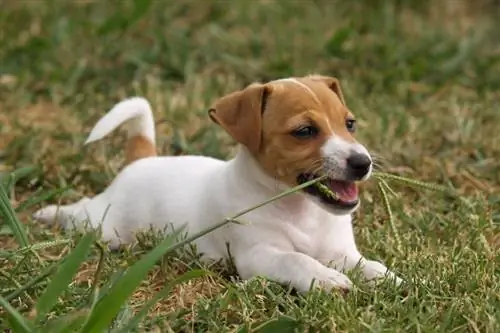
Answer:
(314, 169)
(379, 158)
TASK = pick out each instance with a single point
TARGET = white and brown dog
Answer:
(290, 131)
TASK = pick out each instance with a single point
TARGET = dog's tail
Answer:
(137, 113)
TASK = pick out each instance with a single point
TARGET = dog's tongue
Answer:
(346, 191)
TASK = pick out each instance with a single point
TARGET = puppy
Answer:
(290, 131)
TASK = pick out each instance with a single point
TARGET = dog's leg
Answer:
(87, 214)
(294, 268)
(60, 214)
(371, 269)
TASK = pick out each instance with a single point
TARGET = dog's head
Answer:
(298, 129)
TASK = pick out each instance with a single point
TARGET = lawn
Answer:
(422, 77)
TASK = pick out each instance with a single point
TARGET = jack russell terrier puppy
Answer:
(290, 131)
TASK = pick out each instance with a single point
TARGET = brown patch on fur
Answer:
(332, 82)
(139, 147)
(315, 100)
(240, 114)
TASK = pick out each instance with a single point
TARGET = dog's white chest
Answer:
(321, 235)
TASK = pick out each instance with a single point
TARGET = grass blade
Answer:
(9, 216)
(416, 183)
(18, 323)
(69, 323)
(35, 247)
(34, 200)
(134, 322)
(103, 290)
(11, 179)
(46, 272)
(280, 324)
(64, 275)
(109, 305)
(387, 205)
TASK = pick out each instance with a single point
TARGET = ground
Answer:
(422, 77)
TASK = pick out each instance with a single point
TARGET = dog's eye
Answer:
(305, 132)
(350, 124)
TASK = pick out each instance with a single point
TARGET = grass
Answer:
(423, 79)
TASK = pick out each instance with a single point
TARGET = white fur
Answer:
(292, 240)
(293, 80)
(136, 111)
(336, 151)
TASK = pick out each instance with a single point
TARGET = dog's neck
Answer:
(246, 172)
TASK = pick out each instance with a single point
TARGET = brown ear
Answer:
(332, 83)
(240, 114)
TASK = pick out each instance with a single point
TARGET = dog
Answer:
(289, 131)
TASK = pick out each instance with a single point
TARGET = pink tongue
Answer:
(345, 190)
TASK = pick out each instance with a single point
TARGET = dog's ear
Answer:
(332, 83)
(240, 114)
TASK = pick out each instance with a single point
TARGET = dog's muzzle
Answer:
(340, 191)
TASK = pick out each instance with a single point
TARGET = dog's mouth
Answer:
(338, 193)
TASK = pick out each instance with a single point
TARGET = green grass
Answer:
(422, 77)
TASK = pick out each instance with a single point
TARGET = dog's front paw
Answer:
(329, 279)
(397, 280)
(375, 271)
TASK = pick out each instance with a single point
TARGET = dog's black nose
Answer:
(359, 165)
